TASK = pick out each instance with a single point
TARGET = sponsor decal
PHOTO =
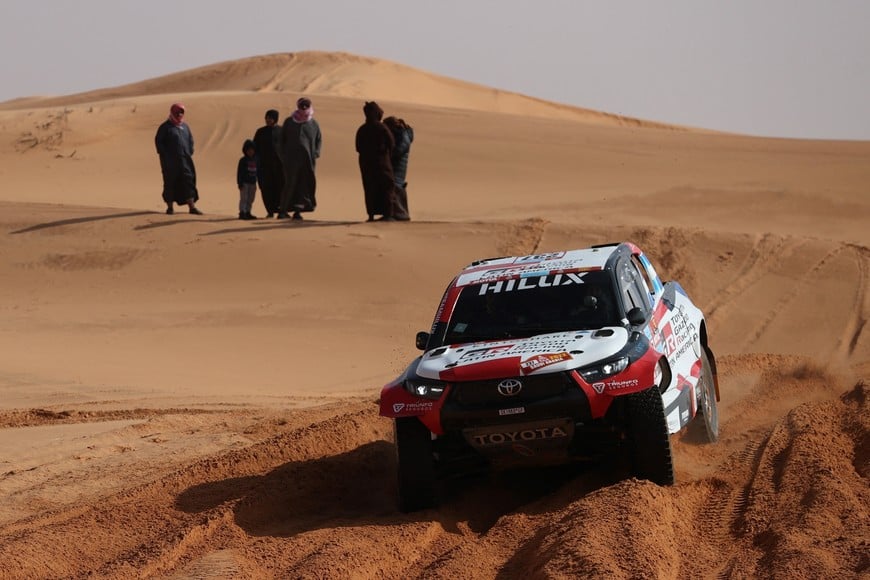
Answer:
(542, 360)
(615, 385)
(531, 282)
(531, 265)
(540, 257)
(533, 345)
(510, 387)
(449, 297)
(661, 310)
(625, 384)
(512, 411)
(489, 352)
(519, 436)
(664, 306)
(677, 334)
(527, 270)
(415, 407)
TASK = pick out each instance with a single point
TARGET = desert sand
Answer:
(196, 396)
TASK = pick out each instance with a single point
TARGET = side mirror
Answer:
(635, 316)
(422, 340)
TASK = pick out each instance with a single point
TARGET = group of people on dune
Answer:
(281, 160)
(383, 146)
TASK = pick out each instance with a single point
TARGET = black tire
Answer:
(648, 438)
(709, 407)
(416, 465)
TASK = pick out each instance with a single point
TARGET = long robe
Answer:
(374, 143)
(299, 147)
(270, 173)
(403, 138)
(175, 147)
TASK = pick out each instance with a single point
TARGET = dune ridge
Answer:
(338, 74)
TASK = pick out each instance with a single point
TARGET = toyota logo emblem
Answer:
(510, 387)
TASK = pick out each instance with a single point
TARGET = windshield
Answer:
(533, 305)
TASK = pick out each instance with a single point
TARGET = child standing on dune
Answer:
(246, 177)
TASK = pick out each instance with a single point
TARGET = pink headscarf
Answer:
(176, 112)
(304, 111)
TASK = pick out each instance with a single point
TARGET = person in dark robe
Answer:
(403, 136)
(374, 144)
(299, 147)
(270, 173)
(174, 143)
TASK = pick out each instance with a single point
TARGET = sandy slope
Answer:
(341, 75)
(190, 396)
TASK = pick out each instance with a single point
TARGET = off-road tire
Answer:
(709, 407)
(648, 439)
(415, 464)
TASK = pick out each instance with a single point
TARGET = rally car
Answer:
(552, 358)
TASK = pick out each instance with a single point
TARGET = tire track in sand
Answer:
(729, 505)
(856, 324)
(789, 296)
(765, 251)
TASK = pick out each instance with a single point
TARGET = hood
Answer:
(545, 353)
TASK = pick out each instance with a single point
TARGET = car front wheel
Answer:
(648, 438)
(709, 406)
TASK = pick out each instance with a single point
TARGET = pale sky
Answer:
(784, 68)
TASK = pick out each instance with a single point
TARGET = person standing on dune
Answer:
(270, 174)
(374, 144)
(246, 179)
(403, 135)
(174, 143)
(300, 148)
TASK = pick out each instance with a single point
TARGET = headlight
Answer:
(425, 388)
(602, 371)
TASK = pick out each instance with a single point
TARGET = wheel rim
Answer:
(711, 410)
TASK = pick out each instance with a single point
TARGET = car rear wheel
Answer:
(648, 437)
(709, 406)
(416, 466)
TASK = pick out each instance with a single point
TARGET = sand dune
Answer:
(341, 75)
(188, 396)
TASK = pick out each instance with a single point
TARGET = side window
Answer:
(632, 287)
(643, 277)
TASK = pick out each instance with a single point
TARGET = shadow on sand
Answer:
(81, 220)
(174, 221)
(265, 224)
(357, 488)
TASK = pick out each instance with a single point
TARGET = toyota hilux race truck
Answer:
(552, 358)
